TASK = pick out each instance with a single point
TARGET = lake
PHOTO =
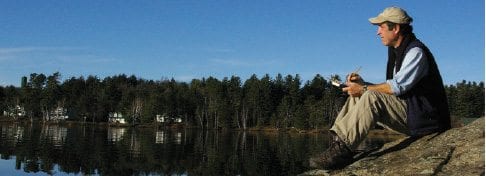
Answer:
(77, 149)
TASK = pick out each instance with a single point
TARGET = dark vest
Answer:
(427, 107)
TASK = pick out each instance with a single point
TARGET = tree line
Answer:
(466, 99)
(279, 102)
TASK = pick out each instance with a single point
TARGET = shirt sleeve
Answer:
(414, 68)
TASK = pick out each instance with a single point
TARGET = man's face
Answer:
(388, 38)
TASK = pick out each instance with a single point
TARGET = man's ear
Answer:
(397, 29)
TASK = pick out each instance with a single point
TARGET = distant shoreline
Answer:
(269, 130)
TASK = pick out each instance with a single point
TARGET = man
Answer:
(412, 101)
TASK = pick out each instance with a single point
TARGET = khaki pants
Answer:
(360, 115)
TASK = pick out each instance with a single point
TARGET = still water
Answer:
(35, 149)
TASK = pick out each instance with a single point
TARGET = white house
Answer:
(164, 118)
(161, 118)
(58, 114)
(116, 117)
(17, 111)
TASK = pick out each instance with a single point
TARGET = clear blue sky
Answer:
(201, 38)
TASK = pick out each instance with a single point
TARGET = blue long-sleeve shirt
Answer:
(414, 68)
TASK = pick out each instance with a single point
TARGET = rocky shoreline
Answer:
(459, 151)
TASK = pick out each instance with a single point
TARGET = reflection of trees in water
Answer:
(13, 132)
(93, 150)
(248, 153)
(54, 134)
(128, 151)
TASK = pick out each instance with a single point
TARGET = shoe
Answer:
(336, 156)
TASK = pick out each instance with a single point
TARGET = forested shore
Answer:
(279, 102)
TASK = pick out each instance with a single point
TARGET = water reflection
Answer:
(13, 132)
(162, 137)
(115, 134)
(159, 137)
(100, 150)
(54, 134)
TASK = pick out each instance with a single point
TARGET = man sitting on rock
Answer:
(412, 101)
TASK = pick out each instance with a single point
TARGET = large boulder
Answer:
(459, 151)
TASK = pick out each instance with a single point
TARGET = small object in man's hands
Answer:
(338, 83)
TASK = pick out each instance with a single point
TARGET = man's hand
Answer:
(354, 84)
(354, 77)
(354, 89)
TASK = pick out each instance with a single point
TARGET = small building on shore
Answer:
(178, 120)
(58, 114)
(166, 119)
(15, 112)
(161, 118)
(116, 118)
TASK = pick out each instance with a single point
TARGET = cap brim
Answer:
(376, 20)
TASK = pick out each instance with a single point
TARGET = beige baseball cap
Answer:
(392, 14)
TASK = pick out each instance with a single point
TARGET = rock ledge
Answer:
(459, 151)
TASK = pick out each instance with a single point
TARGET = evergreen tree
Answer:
(12, 97)
(265, 102)
(51, 95)
(235, 96)
(2, 99)
(32, 95)
(251, 107)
